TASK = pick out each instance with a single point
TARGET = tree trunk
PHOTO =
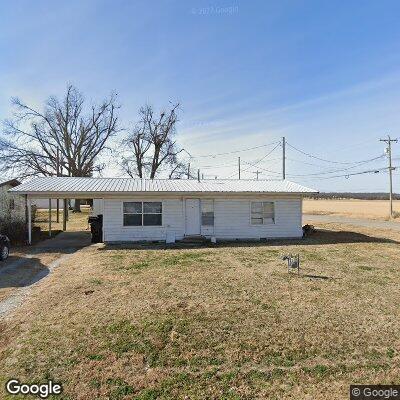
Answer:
(77, 206)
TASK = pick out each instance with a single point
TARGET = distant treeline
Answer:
(349, 195)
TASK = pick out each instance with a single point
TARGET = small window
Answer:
(262, 212)
(207, 212)
(138, 213)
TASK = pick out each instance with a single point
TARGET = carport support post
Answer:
(65, 215)
(29, 220)
(50, 217)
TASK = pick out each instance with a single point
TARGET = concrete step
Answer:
(194, 239)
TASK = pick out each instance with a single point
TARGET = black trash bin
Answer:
(96, 228)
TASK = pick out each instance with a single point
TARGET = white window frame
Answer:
(266, 221)
(143, 213)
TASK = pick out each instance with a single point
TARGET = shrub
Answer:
(15, 229)
(396, 214)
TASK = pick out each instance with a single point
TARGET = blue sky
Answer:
(324, 74)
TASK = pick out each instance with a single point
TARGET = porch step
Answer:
(194, 239)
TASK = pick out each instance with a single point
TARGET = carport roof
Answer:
(98, 186)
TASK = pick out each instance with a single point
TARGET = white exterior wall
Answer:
(114, 231)
(98, 207)
(231, 219)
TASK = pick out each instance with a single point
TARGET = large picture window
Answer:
(207, 212)
(262, 212)
(142, 213)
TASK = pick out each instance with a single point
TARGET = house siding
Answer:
(231, 219)
(114, 231)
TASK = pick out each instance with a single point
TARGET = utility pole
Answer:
(256, 172)
(239, 166)
(283, 158)
(198, 175)
(188, 171)
(389, 153)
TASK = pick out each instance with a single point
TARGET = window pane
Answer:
(207, 206)
(256, 207)
(152, 219)
(268, 207)
(132, 219)
(152, 207)
(207, 219)
(133, 207)
(268, 220)
(256, 221)
(207, 212)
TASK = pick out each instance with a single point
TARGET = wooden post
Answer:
(65, 215)
(29, 220)
(50, 217)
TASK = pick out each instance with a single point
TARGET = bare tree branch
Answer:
(151, 144)
(29, 143)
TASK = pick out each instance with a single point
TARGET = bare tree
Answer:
(152, 146)
(28, 146)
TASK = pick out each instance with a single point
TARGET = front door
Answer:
(192, 212)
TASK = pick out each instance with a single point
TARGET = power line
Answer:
(372, 171)
(336, 170)
(325, 160)
(262, 158)
(232, 152)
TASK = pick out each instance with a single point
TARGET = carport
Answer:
(52, 188)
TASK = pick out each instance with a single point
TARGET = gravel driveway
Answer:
(25, 269)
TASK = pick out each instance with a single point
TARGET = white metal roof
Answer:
(67, 185)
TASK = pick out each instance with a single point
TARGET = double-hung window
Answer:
(262, 212)
(207, 212)
(142, 213)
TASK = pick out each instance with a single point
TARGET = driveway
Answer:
(367, 223)
(25, 268)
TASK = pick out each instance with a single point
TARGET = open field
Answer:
(374, 209)
(224, 322)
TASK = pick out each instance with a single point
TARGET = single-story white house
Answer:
(166, 209)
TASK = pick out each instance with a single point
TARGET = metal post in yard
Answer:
(29, 220)
(65, 215)
(50, 217)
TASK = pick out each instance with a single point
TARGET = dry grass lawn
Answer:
(374, 209)
(225, 322)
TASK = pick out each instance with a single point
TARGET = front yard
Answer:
(224, 322)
